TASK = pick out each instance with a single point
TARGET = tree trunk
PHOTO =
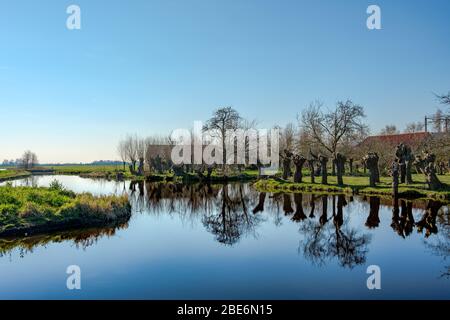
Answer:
(298, 162)
(377, 173)
(409, 179)
(286, 165)
(323, 168)
(298, 174)
(373, 178)
(402, 172)
(340, 164)
(141, 167)
(224, 154)
(371, 161)
(311, 168)
(432, 180)
(395, 172)
(333, 167)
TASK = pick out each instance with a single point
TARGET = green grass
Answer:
(359, 185)
(87, 169)
(35, 210)
(107, 172)
(93, 171)
(112, 171)
(12, 173)
(217, 176)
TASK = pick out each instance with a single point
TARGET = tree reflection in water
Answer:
(233, 211)
(439, 245)
(373, 220)
(232, 219)
(402, 221)
(299, 213)
(324, 241)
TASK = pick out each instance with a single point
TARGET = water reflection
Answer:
(439, 245)
(231, 212)
(231, 219)
(324, 240)
(373, 220)
(80, 238)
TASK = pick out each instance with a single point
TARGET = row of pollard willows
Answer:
(401, 170)
(401, 167)
(317, 164)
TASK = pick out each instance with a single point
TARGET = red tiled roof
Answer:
(395, 139)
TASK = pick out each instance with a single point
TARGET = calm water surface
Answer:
(231, 242)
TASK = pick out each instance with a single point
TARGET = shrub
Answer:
(56, 186)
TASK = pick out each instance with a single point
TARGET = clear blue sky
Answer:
(149, 66)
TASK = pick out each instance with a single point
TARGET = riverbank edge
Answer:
(83, 211)
(187, 178)
(61, 226)
(15, 176)
(279, 186)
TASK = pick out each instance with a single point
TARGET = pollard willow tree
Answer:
(299, 161)
(328, 129)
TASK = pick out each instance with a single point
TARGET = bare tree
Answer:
(444, 98)
(130, 145)
(223, 120)
(288, 138)
(122, 151)
(329, 129)
(389, 130)
(414, 127)
(29, 160)
(140, 152)
(438, 120)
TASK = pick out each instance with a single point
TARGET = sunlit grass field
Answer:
(359, 184)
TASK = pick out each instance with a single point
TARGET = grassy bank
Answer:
(25, 210)
(93, 171)
(245, 175)
(113, 172)
(359, 185)
(10, 174)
